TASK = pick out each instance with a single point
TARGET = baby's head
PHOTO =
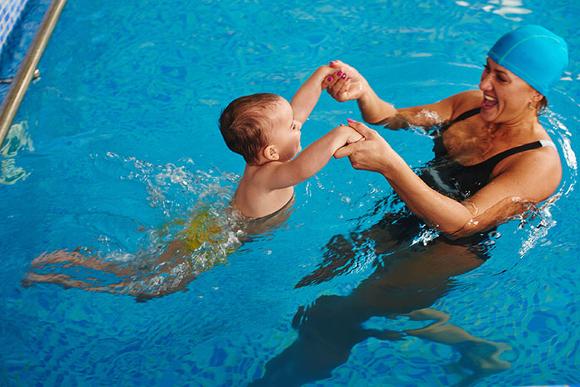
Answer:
(261, 128)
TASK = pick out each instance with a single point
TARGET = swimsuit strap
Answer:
(466, 115)
(494, 160)
(461, 117)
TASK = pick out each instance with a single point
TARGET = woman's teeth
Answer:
(489, 101)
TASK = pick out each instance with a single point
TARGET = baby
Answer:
(265, 129)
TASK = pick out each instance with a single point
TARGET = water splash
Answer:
(538, 222)
(169, 185)
(201, 231)
(537, 231)
(430, 116)
(425, 236)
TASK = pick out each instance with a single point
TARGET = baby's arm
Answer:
(311, 160)
(308, 94)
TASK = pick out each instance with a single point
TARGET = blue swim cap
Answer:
(534, 54)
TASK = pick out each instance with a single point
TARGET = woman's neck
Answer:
(521, 127)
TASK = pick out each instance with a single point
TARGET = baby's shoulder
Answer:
(259, 175)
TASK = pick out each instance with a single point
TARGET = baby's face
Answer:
(285, 133)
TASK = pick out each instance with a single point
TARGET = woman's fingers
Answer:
(339, 87)
(342, 93)
(339, 78)
(345, 84)
(337, 64)
(344, 67)
(328, 81)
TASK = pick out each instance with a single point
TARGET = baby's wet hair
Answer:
(244, 124)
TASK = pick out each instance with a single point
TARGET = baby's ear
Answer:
(271, 153)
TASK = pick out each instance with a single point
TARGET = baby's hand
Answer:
(354, 137)
(349, 135)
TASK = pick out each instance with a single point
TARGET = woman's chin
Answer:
(488, 113)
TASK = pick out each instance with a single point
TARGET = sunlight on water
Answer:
(509, 9)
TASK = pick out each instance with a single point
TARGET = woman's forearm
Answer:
(446, 214)
(373, 108)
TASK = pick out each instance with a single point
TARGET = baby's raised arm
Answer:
(308, 94)
(310, 160)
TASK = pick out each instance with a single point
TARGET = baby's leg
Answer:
(74, 258)
(67, 282)
(58, 279)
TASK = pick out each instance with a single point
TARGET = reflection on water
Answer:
(413, 268)
(509, 9)
(16, 140)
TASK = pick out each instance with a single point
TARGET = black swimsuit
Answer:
(401, 227)
(459, 181)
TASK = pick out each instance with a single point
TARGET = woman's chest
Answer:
(468, 142)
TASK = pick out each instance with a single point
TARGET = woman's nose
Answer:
(485, 82)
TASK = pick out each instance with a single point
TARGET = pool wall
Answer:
(25, 74)
(9, 15)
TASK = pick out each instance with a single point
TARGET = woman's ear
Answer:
(271, 153)
(537, 97)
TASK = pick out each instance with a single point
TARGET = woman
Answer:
(493, 157)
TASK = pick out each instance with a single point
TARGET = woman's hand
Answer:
(346, 83)
(372, 154)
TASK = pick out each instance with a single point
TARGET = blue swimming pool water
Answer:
(119, 137)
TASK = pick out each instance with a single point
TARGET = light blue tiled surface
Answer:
(14, 45)
(10, 11)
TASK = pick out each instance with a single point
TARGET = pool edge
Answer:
(28, 66)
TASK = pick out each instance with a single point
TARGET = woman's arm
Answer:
(528, 179)
(348, 84)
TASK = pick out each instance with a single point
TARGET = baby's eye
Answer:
(486, 67)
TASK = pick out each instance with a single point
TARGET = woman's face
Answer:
(506, 97)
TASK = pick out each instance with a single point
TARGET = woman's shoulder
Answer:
(465, 101)
(452, 107)
(539, 169)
